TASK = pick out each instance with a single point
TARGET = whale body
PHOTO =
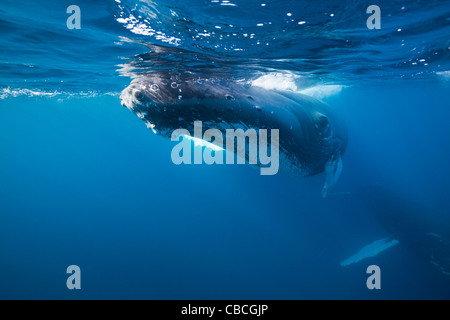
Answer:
(312, 137)
(422, 230)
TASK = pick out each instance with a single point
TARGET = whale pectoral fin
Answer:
(333, 169)
(370, 250)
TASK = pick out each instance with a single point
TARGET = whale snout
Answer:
(135, 97)
(150, 93)
(139, 95)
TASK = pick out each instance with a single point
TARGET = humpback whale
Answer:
(312, 137)
(421, 229)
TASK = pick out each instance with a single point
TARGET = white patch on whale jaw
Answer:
(203, 143)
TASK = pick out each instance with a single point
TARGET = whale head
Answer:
(312, 137)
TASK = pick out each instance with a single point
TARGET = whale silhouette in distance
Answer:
(423, 230)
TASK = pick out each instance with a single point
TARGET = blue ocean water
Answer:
(84, 182)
